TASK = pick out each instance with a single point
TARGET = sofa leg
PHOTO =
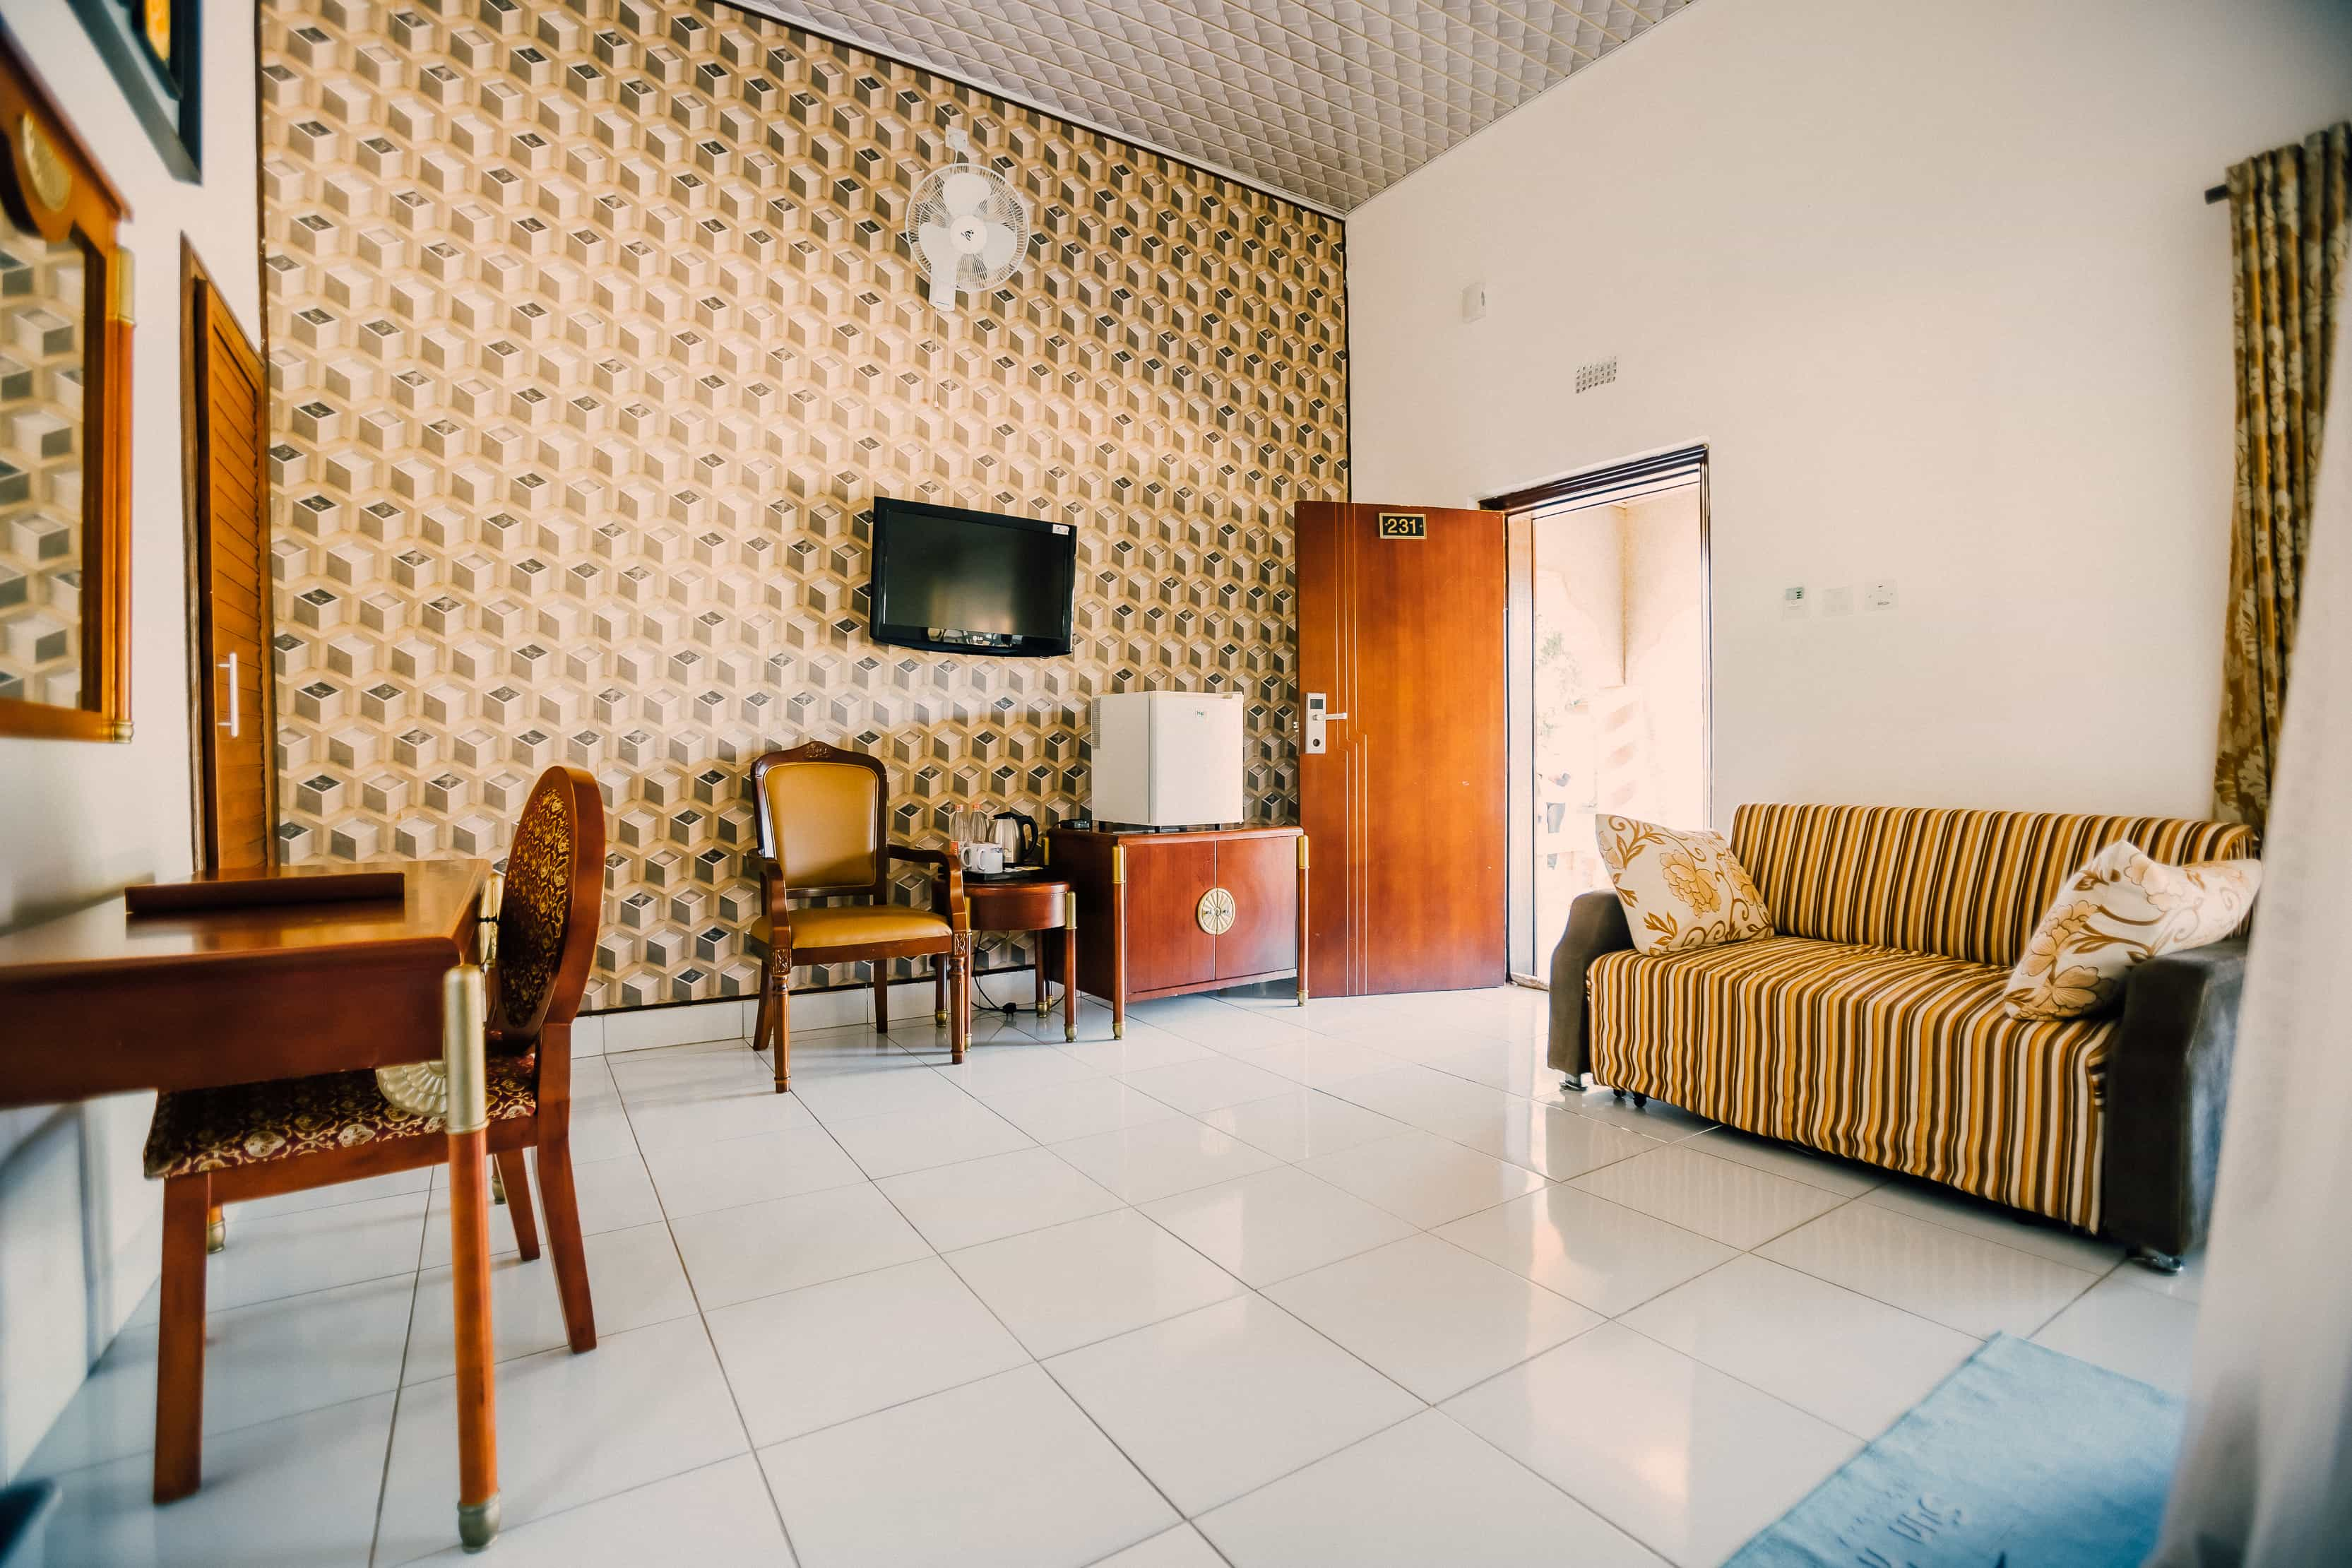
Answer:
(1641, 1101)
(2150, 1258)
(1618, 1095)
(1571, 1084)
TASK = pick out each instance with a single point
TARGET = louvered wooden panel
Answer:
(226, 393)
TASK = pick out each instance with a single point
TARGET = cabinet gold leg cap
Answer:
(478, 1523)
(216, 1237)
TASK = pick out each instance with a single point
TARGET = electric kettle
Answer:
(1016, 833)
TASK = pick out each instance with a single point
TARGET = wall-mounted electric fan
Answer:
(968, 227)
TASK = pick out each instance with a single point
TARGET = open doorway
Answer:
(1609, 676)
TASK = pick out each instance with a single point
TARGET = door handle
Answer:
(1318, 714)
(234, 723)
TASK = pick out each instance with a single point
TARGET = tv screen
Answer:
(970, 582)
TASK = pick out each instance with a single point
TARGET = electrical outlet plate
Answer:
(1794, 603)
(1838, 601)
(1879, 598)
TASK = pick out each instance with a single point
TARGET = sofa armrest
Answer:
(2167, 1091)
(1596, 925)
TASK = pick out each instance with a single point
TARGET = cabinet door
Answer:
(1165, 944)
(1262, 874)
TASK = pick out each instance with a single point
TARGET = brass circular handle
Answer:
(1215, 912)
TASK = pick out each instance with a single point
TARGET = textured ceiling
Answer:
(1325, 100)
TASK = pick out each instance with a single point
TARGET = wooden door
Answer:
(226, 397)
(1401, 627)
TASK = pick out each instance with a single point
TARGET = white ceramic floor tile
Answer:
(1843, 1177)
(917, 1140)
(1991, 1222)
(1737, 1205)
(1686, 1460)
(1276, 1224)
(391, 1185)
(719, 1516)
(876, 1090)
(1855, 1362)
(275, 1359)
(1551, 1141)
(1004, 1473)
(642, 1405)
(1058, 1112)
(1181, 1547)
(1656, 1120)
(2186, 1284)
(316, 1249)
(1144, 1048)
(1433, 1102)
(1958, 1280)
(1430, 1315)
(2140, 1333)
(1317, 1061)
(714, 1111)
(1421, 1178)
(695, 1178)
(1508, 1065)
(1225, 1399)
(615, 1194)
(301, 1489)
(678, 1073)
(1423, 1492)
(1004, 1194)
(1301, 1124)
(1206, 1084)
(1598, 1253)
(759, 1249)
(830, 1352)
(1013, 1063)
(634, 1279)
(1074, 1284)
(1160, 1159)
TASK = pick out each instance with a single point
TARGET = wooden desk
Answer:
(102, 1001)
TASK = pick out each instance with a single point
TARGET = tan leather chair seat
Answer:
(853, 925)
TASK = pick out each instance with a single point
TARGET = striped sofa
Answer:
(1871, 1027)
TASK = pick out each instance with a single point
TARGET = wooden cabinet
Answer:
(1161, 914)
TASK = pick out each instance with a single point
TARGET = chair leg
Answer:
(784, 1013)
(516, 1177)
(215, 1229)
(959, 1006)
(760, 1024)
(1038, 941)
(939, 988)
(881, 967)
(180, 1340)
(562, 1205)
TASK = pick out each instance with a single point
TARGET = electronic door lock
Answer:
(1317, 715)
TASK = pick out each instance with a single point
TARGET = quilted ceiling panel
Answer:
(1328, 102)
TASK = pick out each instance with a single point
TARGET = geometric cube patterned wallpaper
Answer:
(592, 337)
(41, 355)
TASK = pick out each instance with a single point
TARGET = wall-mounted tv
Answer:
(970, 582)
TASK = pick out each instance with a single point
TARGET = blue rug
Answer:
(2021, 1454)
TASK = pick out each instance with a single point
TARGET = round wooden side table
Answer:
(1046, 906)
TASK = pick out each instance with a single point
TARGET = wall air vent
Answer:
(1600, 373)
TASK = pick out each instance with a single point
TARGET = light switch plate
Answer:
(1474, 302)
(1794, 603)
(1838, 601)
(1878, 598)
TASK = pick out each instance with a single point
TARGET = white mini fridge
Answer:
(1167, 759)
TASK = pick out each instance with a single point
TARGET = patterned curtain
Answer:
(2288, 233)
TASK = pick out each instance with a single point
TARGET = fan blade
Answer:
(939, 251)
(1004, 239)
(964, 193)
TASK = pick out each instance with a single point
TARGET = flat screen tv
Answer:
(970, 582)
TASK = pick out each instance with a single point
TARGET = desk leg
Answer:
(1070, 966)
(470, 1254)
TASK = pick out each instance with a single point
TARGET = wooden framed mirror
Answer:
(65, 427)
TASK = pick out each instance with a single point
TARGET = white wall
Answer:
(1937, 286)
(78, 1223)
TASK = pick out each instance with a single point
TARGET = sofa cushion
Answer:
(2119, 911)
(1680, 889)
(1901, 1059)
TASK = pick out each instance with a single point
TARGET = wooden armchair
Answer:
(214, 1146)
(824, 821)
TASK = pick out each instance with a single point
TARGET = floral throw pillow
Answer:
(2118, 911)
(1680, 889)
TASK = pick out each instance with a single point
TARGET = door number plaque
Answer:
(1404, 526)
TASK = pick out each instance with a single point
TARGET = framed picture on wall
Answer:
(152, 46)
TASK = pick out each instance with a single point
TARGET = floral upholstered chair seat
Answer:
(255, 1124)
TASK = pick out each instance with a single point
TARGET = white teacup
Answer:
(983, 857)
